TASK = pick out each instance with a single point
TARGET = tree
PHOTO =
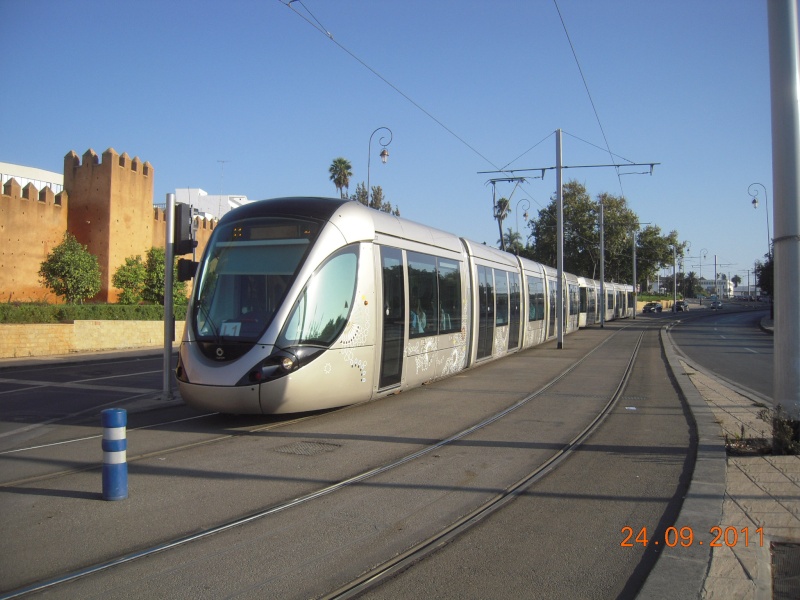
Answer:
(736, 280)
(512, 241)
(153, 290)
(654, 251)
(71, 271)
(130, 278)
(691, 285)
(581, 233)
(501, 211)
(361, 194)
(582, 237)
(341, 171)
(376, 201)
(765, 275)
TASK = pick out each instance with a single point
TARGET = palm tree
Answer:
(501, 210)
(512, 241)
(341, 170)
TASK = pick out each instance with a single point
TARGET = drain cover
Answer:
(785, 570)
(307, 448)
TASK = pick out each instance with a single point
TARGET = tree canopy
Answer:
(340, 173)
(71, 271)
(582, 237)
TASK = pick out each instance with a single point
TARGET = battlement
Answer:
(46, 196)
(32, 223)
(91, 162)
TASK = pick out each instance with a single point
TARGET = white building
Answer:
(212, 206)
(723, 287)
(25, 175)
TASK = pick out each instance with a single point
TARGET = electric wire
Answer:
(319, 27)
(588, 92)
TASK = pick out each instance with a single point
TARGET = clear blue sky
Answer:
(185, 85)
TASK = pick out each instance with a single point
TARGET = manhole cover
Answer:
(307, 448)
(785, 570)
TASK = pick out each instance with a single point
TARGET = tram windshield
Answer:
(245, 274)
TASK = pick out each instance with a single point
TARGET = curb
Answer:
(680, 572)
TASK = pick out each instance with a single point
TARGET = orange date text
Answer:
(685, 536)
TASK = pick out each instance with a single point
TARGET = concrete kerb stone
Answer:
(680, 572)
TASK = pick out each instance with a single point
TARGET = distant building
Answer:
(212, 206)
(38, 177)
(723, 287)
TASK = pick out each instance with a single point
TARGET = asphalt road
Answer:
(730, 344)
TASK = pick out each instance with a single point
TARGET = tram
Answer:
(303, 304)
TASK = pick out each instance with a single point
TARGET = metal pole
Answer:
(560, 243)
(674, 279)
(716, 283)
(602, 269)
(635, 287)
(169, 319)
(784, 86)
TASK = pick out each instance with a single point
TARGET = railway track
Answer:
(447, 482)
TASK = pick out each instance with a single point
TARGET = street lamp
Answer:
(766, 207)
(525, 215)
(384, 153)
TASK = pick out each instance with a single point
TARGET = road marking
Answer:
(751, 350)
(79, 386)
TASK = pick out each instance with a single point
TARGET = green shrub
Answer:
(18, 312)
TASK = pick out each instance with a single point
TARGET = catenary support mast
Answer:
(785, 100)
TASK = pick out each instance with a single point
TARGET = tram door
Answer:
(514, 317)
(486, 312)
(393, 317)
(551, 329)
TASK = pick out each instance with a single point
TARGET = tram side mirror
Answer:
(184, 240)
(186, 269)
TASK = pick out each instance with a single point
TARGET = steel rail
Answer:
(181, 541)
(417, 552)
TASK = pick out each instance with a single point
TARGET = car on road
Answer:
(681, 306)
(652, 307)
(716, 304)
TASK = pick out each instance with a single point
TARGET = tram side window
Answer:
(573, 299)
(321, 312)
(449, 295)
(423, 296)
(501, 298)
(535, 299)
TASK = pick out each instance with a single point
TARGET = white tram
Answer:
(309, 303)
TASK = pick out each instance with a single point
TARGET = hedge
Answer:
(63, 313)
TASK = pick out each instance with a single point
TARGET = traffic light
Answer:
(186, 269)
(184, 240)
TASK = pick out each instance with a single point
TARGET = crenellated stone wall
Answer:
(106, 204)
(32, 223)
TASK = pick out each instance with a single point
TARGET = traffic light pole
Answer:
(169, 319)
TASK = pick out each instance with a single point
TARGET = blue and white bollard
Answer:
(115, 460)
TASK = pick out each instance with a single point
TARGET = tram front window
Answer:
(246, 271)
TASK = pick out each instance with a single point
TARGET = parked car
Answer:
(681, 306)
(716, 304)
(652, 307)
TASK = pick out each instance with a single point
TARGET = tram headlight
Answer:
(280, 363)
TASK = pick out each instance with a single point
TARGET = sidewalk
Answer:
(762, 491)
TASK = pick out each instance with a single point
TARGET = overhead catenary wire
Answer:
(588, 92)
(321, 28)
